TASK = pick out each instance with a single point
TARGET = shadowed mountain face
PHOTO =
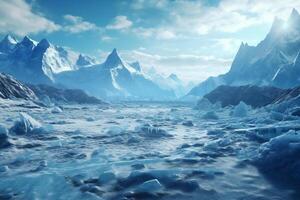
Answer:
(64, 95)
(274, 62)
(11, 88)
(251, 95)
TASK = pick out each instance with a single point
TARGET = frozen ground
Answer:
(147, 151)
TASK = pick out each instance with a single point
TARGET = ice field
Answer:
(147, 151)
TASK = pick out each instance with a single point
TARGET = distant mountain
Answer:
(10, 88)
(114, 79)
(37, 62)
(273, 62)
(172, 82)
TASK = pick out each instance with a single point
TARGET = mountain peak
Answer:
(84, 60)
(113, 59)
(295, 13)
(44, 43)
(28, 41)
(8, 44)
(136, 65)
(173, 77)
(294, 19)
(10, 39)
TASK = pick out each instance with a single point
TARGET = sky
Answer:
(194, 39)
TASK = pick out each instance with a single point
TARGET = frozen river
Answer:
(140, 151)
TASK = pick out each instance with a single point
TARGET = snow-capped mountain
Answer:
(114, 79)
(7, 44)
(44, 63)
(275, 61)
(37, 62)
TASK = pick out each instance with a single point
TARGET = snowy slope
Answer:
(271, 62)
(114, 79)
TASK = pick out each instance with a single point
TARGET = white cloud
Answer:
(142, 4)
(120, 22)
(229, 16)
(190, 67)
(16, 16)
(106, 38)
(76, 24)
(160, 34)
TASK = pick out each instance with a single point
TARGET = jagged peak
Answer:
(136, 65)
(28, 41)
(294, 19)
(9, 39)
(294, 14)
(113, 59)
(174, 77)
(44, 43)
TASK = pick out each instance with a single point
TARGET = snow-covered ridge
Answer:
(11, 88)
(38, 62)
(44, 63)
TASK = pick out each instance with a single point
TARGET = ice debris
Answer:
(150, 131)
(210, 115)
(280, 156)
(27, 125)
(241, 110)
(4, 138)
(56, 109)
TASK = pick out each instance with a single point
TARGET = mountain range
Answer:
(275, 61)
(44, 63)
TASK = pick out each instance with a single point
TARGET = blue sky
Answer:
(194, 39)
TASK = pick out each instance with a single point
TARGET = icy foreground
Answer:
(148, 151)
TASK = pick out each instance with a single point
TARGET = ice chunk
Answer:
(280, 156)
(241, 110)
(205, 104)
(27, 125)
(148, 130)
(210, 115)
(115, 130)
(150, 186)
(56, 109)
(4, 138)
